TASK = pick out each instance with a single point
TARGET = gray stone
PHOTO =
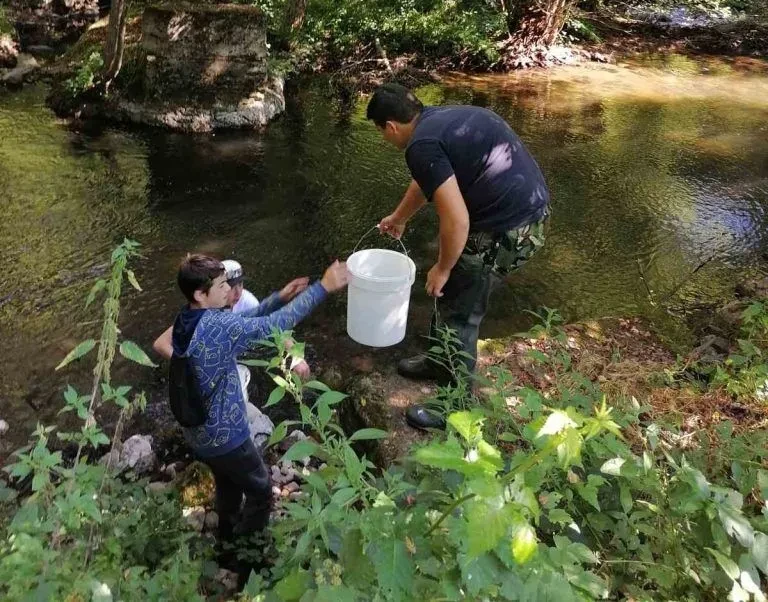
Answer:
(259, 424)
(194, 517)
(159, 487)
(26, 65)
(227, 579)
(135, 454)
(211, 521)
(291, 487)
(252, 111)
(3, 427)
(295, 496)
(41, 50)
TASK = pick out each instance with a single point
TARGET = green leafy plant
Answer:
(86, 75)
(85, 532)
(745, 372)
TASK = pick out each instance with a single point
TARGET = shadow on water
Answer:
(654, 166)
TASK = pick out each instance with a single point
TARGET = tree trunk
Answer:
(295, 11)
(115, 44)
(534, 26)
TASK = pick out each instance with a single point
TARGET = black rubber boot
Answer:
(421, 367)
(421, 417)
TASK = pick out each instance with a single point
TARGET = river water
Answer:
(658, 168)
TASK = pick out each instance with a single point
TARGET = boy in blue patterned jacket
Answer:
(204, 381)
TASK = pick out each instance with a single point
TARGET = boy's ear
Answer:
(199, 296)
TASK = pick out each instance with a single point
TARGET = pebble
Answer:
(195, 517)
(211, 521)
(3, 427)
(159, 487)
(291, 487)
(276, 491)
(296, 495)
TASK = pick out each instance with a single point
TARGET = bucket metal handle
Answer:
(371, 230)
(413, 265)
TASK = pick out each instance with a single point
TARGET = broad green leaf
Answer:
(467, 424)
(759, 552)
(559, 516)
(736, 524)
(589, 493)
(613, 466)
(368, 434)
(556, 422)
(479, 573)
(448, 455)
(487, 522)
(393, 564)
(77, 352)
(275, 396)
(292, 587)
(278, 434)
(317, 385)
(359, 572)
(98, 286)
(253, 363)
(523, 543)
(324, 413)
(729, 566)
(131, 351)
(625, 497)
(569, 450)
(331, 397)
(132, 279)
(301, 449)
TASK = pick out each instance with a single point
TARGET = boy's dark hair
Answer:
(197, 273)
(393, 102)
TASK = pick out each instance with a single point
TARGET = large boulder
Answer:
(26, 66)
(205, 68)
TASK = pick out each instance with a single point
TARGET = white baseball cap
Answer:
(233, 270)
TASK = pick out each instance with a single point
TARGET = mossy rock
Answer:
(197, 486)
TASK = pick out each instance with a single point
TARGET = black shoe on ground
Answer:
(421, 417)
(421, 367)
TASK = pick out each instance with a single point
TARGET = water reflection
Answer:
(654, 168)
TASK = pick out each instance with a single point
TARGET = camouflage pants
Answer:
(486, 259)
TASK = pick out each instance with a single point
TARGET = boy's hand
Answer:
(302, 369)
(336, 277)
(293, 288)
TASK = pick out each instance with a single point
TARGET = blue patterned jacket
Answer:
(211, 339)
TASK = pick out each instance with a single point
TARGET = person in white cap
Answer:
(240, 300)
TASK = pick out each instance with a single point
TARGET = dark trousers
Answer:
(239, 473)
(486, 259)
(465, 302)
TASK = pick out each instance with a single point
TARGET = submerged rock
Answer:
(26, 65)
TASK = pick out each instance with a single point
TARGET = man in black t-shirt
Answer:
(490, 197)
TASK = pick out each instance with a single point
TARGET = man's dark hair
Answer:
(197, 273)
(393, 102)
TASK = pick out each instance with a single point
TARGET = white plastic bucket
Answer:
(378, 295)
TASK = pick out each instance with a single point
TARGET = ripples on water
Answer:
(657, 167)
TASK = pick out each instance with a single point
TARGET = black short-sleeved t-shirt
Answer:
(502, 185)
